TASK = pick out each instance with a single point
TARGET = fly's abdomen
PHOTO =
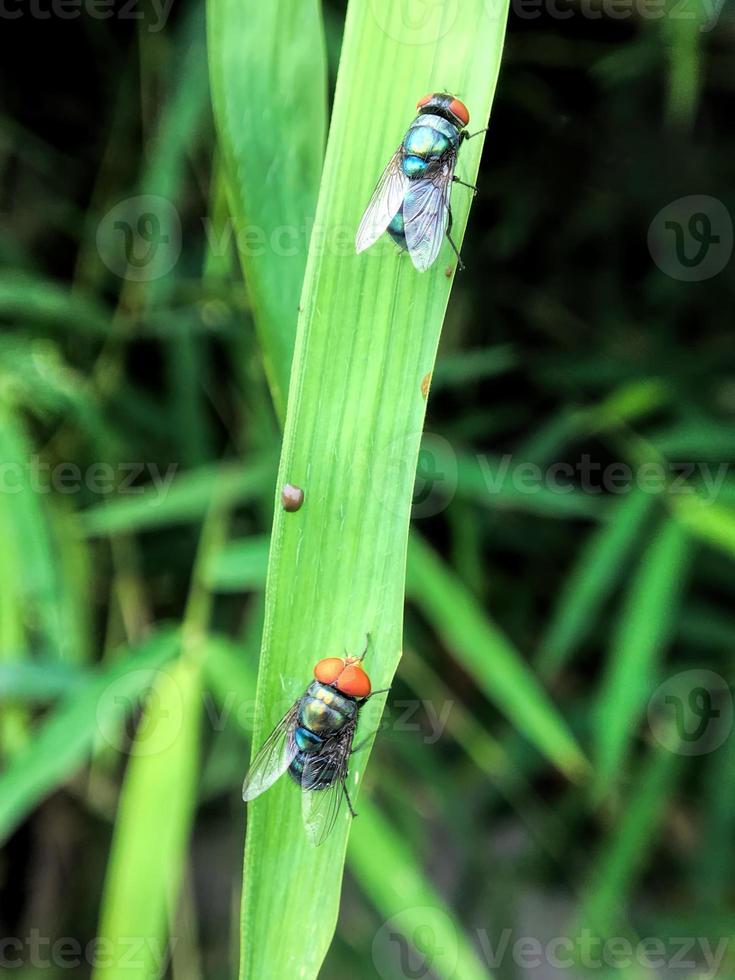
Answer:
(307, 742)
(319, 778)
(397, 231)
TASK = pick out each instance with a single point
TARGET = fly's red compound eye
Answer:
(354, 681)
(459, 109)
(425, 100)
(328, 670)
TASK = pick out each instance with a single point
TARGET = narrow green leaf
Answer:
(179, 499)
(597, 571)
(239, 565)
(464, 367)
(411, 906)
(643, 629)
(269, 76)
(366, 340)
(712, 522)
(713, 871)
(152, 828)
(39, 680)
(499, 483)
(28, 567)
(33, 299)
(683, 43)
(497, 667)
(66, 738)
(624, 852)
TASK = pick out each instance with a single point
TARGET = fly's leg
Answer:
(363, 742)
(349, 801)
(365, 650)
(464, 183)
(468, 136)
(460, 263)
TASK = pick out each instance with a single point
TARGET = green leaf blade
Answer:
(367, 337)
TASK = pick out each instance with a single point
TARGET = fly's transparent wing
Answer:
(426, 214)
(384, 204)
(275, 756)
(320, 807)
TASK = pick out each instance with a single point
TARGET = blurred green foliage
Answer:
(574, 517)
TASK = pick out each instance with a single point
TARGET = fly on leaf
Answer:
(313, 741)
(412, 199)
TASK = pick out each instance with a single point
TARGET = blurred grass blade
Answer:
(240, 565)
(366, 339)
(623, 854)
(645, 623)
(33, 299)
(712, 522)
(713, 872)
(154, 816)
(683, 43)
(269, 76)
(411, 906)
(39, 681)
(598, 569)
(29, 568)
(180, 499)
(490, 481)
(496, 667)
(65, 740)
(159, 797)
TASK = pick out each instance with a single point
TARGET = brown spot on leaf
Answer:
(292, 497)
(425, 385)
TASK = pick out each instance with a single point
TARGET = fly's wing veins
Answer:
(275, 756)
(384, 204)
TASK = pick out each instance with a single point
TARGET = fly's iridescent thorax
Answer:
(429, 138)
(322, 713)
(325, 711)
